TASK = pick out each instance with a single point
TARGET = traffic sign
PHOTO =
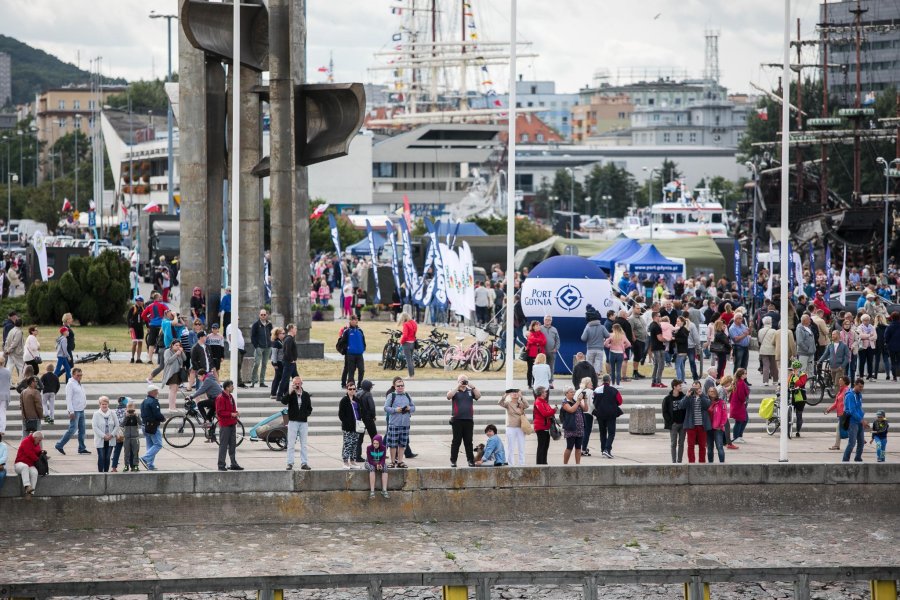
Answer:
(50, 272)
(125, 228)
(92, 219)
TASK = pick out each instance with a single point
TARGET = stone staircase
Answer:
(433, 411)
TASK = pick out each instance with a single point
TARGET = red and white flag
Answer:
(320, 210)
(152, 207)
(763, 113)
(67, 206)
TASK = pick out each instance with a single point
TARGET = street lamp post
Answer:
(606, 198)
(77, 131)
(169, 148)
(34, 132)
(11, 178)
(21, 135)
(888, 169)
(650, 197)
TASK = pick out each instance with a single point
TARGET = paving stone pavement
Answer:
(557, 544)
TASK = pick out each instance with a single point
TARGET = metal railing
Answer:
(883, 580)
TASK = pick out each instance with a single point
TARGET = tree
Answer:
(528, 232)
(564, 191)
(725, 191)
(145, 96)
(320, 230)
(614, 182)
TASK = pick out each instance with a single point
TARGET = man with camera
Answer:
(299, 406)
(463, 398)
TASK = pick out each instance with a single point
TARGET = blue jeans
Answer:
(288, 372)
(738, 430)
(692, 353)
(680, 359)
(588, 425)
(880, 447)
(615, 367)
(103, 455)
(741, 356)
(2, 476)
(77, 422)
(715, 437)
(62, 364)
(851, 372)
(856, 436)
(117, 451)
(154, 445)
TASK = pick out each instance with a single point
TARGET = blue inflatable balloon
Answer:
(563, 287)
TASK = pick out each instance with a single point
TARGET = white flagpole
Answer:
(784, 279)
(234, 186)
(511, 204)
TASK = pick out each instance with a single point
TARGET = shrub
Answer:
(94, 290)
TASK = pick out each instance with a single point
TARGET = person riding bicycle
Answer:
(209, 387)
(797, 388)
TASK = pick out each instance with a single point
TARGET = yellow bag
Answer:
(766, 408)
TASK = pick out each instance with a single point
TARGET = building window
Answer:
(565, 119)
(530, 104)
(523, 138)
(621, 115)
(384, 170)
(540, 137)
(61, 122)
(693, 138)
(77, 122)
(656, 117)
(533, 90)
(679, 138)
(91, 104)
(76, 104)
(650, 102)
(62, 105)
(666, 138)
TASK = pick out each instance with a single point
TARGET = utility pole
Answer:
(857, 170)
(823, 181)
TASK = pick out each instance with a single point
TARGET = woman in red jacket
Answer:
(26, 457)
(542, 417)
(534, 345)
(409, 328)
(739, 399)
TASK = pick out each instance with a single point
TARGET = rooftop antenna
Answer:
(711, 64)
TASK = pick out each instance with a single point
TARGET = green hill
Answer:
(34, 70)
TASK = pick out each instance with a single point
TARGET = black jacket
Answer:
(626, 328)
(670, 410)
(366, 406)
(200, 358)
(582, 370)
(345, 414)
(298, 410)
(680, 340)
(261, 335)
(290, 350)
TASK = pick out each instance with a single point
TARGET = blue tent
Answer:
(649, 260)
(465, 229)
(361, 248)
(618, 252)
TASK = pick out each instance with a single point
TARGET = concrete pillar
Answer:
(192, 162)
(250, 188)
(589, 588)
(374, 590)
(801, 587)
(281, 162)
(215, 182)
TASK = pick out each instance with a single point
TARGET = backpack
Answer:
(341, 345)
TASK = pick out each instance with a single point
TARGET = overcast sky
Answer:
(574, 38)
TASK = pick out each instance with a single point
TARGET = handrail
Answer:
(482, 580)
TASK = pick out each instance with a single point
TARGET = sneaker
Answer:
(115, 470)
(132, 360)
(126, 469)
(290, 468)
(223, 469)
(471, 464)
(263, 384)
(384, 494)
(305, 467)
(609, 455)
(149, 381)
(85, 451)
(144, 462)
(732, 447)
(134, 469)
(606, 454)
(453, 464)
(740, 440)
(371, 494)
(60, 450)
(236, 468)
(139, 361)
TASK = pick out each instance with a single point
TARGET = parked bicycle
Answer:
(392, 356)
(431, 350)
(180, 430)
(475, 356)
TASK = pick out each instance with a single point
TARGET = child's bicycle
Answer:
(95, 356)
(773, 420)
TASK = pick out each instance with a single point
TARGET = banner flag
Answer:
(373, 254)
(337, 246)
(392, 238)
(737, 269)
(829, 274)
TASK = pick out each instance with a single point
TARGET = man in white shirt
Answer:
(239, 340)
(76, 402)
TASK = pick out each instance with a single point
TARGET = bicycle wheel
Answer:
(387, 357)
(499, 359)
(450, 360)
(437, 357)
(814, 384)
(480, 359)
(829, 386)
(814, 398)
(178, 431)
(790, 425)
(772, 426)
(276, 439)
(239, 432)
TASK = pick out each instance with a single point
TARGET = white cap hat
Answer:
(152, 388)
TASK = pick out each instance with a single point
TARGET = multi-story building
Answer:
(5, 80)
(879, 50)
(600, 113)
(553, 109)
(61, 111)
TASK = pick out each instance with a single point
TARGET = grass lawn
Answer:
(90, 339)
